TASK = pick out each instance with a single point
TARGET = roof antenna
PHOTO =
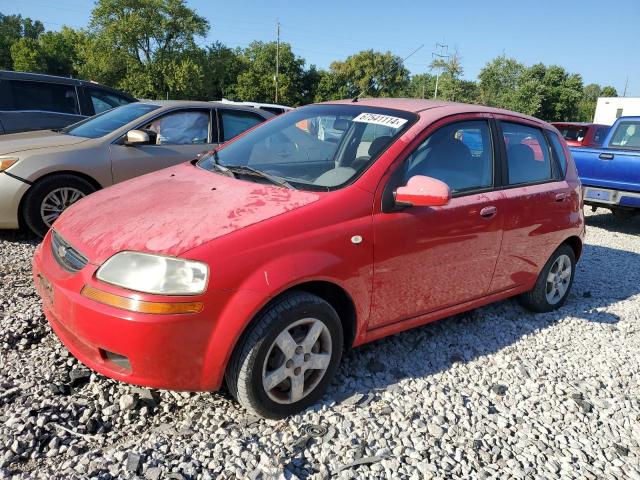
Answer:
(355, 99)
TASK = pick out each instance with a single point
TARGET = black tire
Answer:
(536, 298)
(39, 191)
(244, 372)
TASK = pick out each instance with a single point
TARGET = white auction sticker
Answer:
(378, 119)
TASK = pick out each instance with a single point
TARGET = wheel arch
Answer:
(75, 173)
(576, 245)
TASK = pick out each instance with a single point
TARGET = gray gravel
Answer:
(496, 393)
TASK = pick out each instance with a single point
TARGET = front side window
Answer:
(320, 147)
(109, 121)
(180, 128)
(459, 154)
(527, 154)
(49, 97)
(626, 135)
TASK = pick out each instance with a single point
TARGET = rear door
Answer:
(430, 258)
(40, 106)
(538, 207)
(176, 136)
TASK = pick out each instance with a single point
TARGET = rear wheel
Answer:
(554, 282)
(49, 197)
(287, 358)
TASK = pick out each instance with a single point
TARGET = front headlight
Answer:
(157, 274)
(6, 162)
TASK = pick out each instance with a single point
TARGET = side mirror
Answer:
(421, 191)
(136, 137)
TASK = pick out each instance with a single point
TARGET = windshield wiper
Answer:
(247, 170)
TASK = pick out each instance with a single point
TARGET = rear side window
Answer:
(558, 151)
(459, 154)
(49, 97)
(103, 101)
(527, 154)
(598, 137)
(626, 135)
(234, 122)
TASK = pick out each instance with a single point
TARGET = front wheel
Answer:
(285, 361)
(554, 282)
(49, 197)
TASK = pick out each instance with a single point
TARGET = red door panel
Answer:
(536, 219)
(426, 259)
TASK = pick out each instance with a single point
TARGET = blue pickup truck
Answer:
(610, 174)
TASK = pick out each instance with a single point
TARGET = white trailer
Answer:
(608, 109)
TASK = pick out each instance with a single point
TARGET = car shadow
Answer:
(19, 236)
(438, 346)
(607, 221)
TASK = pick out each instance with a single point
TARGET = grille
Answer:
(67, 256)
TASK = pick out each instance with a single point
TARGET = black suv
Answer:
(32, 101)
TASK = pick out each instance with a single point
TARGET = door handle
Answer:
(561, 197)
(488, 212)
(606, 156)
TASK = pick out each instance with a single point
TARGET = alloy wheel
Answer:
(57, 201)
(558, 279)
(297, 360)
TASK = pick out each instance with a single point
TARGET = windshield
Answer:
(109, 121)
(320, 147)
(575, 133)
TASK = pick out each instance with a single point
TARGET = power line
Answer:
(442, 54)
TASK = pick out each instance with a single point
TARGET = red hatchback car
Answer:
(257, 264)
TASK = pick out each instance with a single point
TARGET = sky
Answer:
(597, 39)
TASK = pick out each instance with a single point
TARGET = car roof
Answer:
(205, 104)
(417, 105)
(42, 77)
(580, 124)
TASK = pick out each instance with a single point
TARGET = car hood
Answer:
(170, 212)
(21, 142)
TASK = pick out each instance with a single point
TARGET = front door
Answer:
(176, 137)
(429, 258)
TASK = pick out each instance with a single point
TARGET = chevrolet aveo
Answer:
(256, 265)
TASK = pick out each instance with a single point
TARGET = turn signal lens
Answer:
(141, 306)
(6, 162)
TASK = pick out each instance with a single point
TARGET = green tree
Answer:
(12, 29)
(499, 81)
(367, 73)
(608, 91)
(421, 85)
(221, 66)
(146, 47)
(256, 82)
(27, 56)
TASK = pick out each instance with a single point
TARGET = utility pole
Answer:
(277, 56)
(441, 53)
(626, 83)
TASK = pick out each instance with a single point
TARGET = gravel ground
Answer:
(498, 392)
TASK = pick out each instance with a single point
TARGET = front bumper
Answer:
(160, 351)
(11, 192)
(610, 197)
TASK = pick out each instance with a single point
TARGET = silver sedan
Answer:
(43, 172)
